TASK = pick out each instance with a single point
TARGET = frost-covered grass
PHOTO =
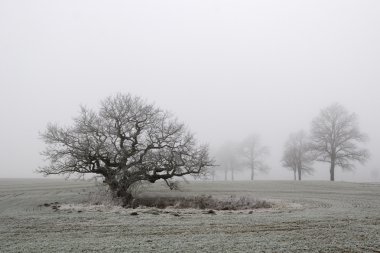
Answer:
(305, 217)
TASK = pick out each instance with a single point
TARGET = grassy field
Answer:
(305, 217)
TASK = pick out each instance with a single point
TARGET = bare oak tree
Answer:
(335, 136)
(253, 154)
(297, 155)
(126, 141)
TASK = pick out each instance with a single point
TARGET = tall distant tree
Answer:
(227, 159)
(212, 173)
(297, 155)
(335, 137)
(127, 141)
(253, 154)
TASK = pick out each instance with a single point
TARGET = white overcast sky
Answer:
(226, 68)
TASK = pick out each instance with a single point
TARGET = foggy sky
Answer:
(227, 69)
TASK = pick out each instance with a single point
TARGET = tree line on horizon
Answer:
(249, 154)
(334, 139)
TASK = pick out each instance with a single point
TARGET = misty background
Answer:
(227, 69)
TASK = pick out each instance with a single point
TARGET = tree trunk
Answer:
(295, 174)
(299, 174)
(232, 174)
(125, 196)
(332, 170)
(252, 172)
(120, 191)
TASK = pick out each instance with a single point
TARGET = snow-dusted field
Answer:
(306, 217)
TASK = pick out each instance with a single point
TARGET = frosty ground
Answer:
(306, 217)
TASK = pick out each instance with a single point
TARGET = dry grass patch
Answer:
(102, 196)
(201, 202)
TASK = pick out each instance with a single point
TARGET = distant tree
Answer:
(212, 173)
(289, 160)
(298, 155)
(228, 160)
(335, 136)
(127, 141)
(253, 154)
